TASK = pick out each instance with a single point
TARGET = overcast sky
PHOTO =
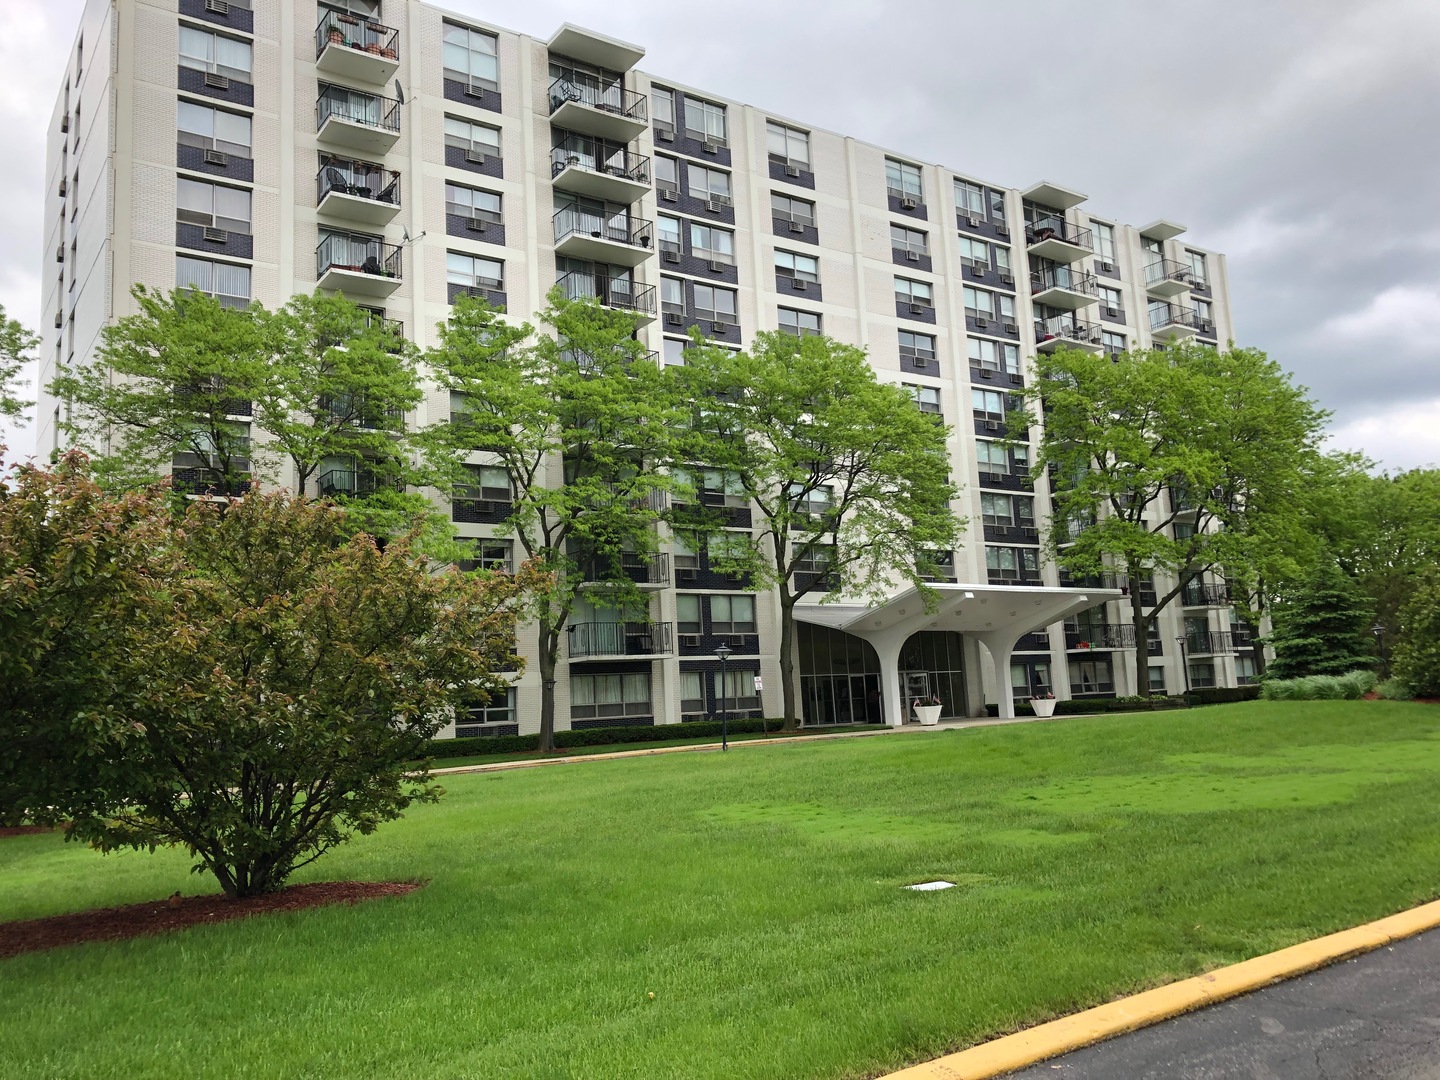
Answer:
(1301, 137)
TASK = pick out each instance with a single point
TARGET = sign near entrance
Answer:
(758, 684)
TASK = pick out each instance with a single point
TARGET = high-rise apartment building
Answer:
(405, 155)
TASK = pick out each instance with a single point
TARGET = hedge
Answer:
(1350, 687)
(1080, 706)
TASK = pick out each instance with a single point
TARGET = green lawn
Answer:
(757, 895)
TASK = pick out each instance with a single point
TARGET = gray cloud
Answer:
(1296, 135)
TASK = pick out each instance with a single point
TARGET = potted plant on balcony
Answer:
(1044, 705)
(927, 710)
(337, 36)
(389, 53)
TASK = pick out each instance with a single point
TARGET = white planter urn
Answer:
(929, 714)
(1044, 707)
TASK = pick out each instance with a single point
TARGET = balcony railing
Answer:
(1210, 642)
(1062, 277)
(620, 639)
(611, 98)
(1173, 316)
(358, 414)
(620, 228)
(621, 293)
(358, 178)
(1163, 270)
(1196, 594)
(654, 571)
(1101, 636)
(350, 31)
(618, 162)
(355, 251)
(1053, 227)
(369, 110)
(1067, 328)
(352, 482)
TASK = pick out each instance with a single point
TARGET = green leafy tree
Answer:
(79, 572)
(1417, 656)
(282, 703)
(1323, 627)
(17, 346)
(850, 479)
(1224, 432)
(578, 419)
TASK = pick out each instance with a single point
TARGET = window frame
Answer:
(476, 281)
(495, 216)
(792, 268)
(774, 128)
(211, 64)
(898, 173)
(225, 299)
(241, 226)
(468, 77)
(789, 214)
(711, 111)
(212, 141)
(801, 322)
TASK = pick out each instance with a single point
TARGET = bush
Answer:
(612, 736)
(1417, 656)
(1393, 689)
(1348, 687)
(1224, 695)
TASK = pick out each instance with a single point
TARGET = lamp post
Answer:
(1184, 664)
(723, 652)
(1379, 631)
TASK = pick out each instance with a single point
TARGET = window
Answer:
(1154, 249)
(471, 202)
(488, 482)
(970, 199)
(708, 183)
(662, 109)
(225, 282)
(692, 691)
(979, 303)
(687, 614)
(738, 690)
(1202, 673)
(672, 296)
(911, 240)
(479, 139)
(987, 404)
(815, 559)
(927, 397)
(732, 614)
(667, 173)
(1157, 677)
(1244, 670)
(201, 50)
(903, 181)
(800, 267)
(709, 242)
(704, 120)
(997, 510)
(474, 271)
(812, 502)
(975, 252)
(913, 292)
(488, 555)
(994, 355)
(499, 708)
(1011, 562)
(1110, 297)
(470, 57)
(1111, 342)
(1198, 270)
(674, 351)
(729, 548)
(1159, 312)
(798, 211)
(799, 323)
(1104, 241)
(1091, 677)
(1002, 258)
(685, 546)
(919, 349)
(713, 487)
(211, 205)
(369, 9)
(787, 146)
(715, 304)
(610, 697)
(213, 129)
(997, 207)
(1204, 310)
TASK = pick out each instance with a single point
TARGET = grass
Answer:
(757, 896)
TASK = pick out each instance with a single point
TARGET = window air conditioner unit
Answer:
(974, 223)
(218, 7)
(673, 318)
(1108, 267)
(669, 194)
(992, 425)
(716, 266)
(798, 285)
(986, 373)
(690, 641)
(475, 157)
(219, 82)
(688, 573)
(917, 309)
(981, 321)
(476, 224)
(710, 147)
(978, 270)
(216, 157)
(912, 256)
(908, 203)
(664, 135)
(1112, 312)
(792, 170)
(471, 90)
(1002, 230)
(920, 361)
(717, 327)
(715, 205)
(1007, 279)
(796, 227)
(216, 236)
(1011, 328)
(671, 256)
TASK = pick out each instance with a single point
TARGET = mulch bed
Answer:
(24, 830)
(181, 912)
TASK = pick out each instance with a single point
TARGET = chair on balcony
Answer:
(387, 193)
(338, 181)
(371, 265)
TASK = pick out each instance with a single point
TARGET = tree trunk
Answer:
(787, 663)
(549, 643)
(1142, 637)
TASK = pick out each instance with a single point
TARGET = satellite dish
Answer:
(399, 92)
(406, 238)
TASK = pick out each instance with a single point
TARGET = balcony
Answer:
(654, 574)
(1100, 636)
(619, 293)
(354, 483)
(607, 112)
(1062, 287)
(358, 193)
(366, 123)
(1052, 237)
(1210, 642)
(357, 265)
(1052, 333)
(1196, 594)
(1173, 321)
(1167, 278)
(355, 49)
(616, 239)
(578, 43)
(593, 641)
(613, 174)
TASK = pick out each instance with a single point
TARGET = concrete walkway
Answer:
(778, 740)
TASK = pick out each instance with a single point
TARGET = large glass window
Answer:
(474, 271)
(992, 457)
(798, 211)
(969, 199)
(1199, 270)
(708, 183)
(610, 697)
(913, 292)
(709, 242)
(212, 205)
(714, 303)
(987, 404)
(994, 355)
(800, 267)
(1091, 677)
(470, 57)
(732, 614)
(705, 120)
(472, 203)
(499, 709)
(912, 241)
(799, 323)
(226, 282)
(737, 691)
(903, 180)
(926, 397)
(975, 252)
(919, 349)
(1104, 241)
(213, 129)
(478, 139)
(203, 51)
(787, 145)
(979, 303)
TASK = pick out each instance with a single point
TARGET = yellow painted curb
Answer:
(1025, 1048)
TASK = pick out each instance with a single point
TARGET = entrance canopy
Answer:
(997, 615)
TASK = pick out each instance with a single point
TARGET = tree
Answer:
(1417, 656)
(850, 478)
(78, 573)
(171, 384)
(577, 420)
(1323, 628)
(282, 702)
(1225, 433)
(17, 345)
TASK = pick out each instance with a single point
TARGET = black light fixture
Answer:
(1379, 631)
(1184, 663)
(723, 652)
